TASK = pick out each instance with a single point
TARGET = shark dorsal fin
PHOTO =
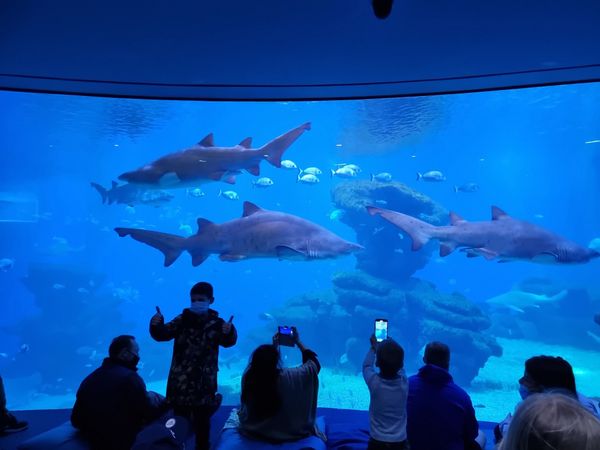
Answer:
(455, 218)
(203, 224)
(250, 208)
(246, 143)
(498, 214)
(208, 141)
(114, 184)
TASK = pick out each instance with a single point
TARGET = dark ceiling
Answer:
(294, 49)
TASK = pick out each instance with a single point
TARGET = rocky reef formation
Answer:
(382, 241)
(341, 321)
(70, 334)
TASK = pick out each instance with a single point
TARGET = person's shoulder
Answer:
(309, 368)
(458, 391)
(414, 379)
(135, 380)
(214, 314)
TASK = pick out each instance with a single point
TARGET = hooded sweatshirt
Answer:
(440, 413)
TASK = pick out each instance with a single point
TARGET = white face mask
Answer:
(199, 307)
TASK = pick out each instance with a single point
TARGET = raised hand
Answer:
(227, 326)
(157, 319)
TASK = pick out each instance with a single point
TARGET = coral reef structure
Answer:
(341, 322)
(382, 241)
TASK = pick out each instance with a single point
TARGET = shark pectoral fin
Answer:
(285, 252)
(216, 175)
(486, 253)
(515, 308)
(169, 179)
(230, 179)
(446, 248)
(231, 257)
(470, 251)
(114, 184)
(545, 257)
(208, 141)
(254, 170)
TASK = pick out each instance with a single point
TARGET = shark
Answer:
(517, 300)
(259, 233)
(131, 194)
(205, 162)
(503, 238)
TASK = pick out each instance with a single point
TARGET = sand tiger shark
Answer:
(259, 233)
(131, 194)
(518, 300)
(503, 238)
(205, 162)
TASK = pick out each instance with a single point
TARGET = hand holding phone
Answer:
(381, 329)
(286, 336)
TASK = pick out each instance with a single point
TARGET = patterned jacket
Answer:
(195, 362)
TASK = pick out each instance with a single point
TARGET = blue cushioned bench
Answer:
(345, 429)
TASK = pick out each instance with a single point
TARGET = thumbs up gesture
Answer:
(227, 326)
(157, 319)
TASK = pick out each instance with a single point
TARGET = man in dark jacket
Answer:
(440, 414)
(198, 332)
(112, 403)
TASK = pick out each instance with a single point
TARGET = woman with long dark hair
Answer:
(259, 383)
(279, 404)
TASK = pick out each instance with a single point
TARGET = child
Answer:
(198, 332)
(388, 390)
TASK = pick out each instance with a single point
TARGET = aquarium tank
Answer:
(471, 219)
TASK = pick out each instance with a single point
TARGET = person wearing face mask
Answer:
(549, 375)
(112, 403)
(198, 332)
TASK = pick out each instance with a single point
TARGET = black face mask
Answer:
(133, 362)
(129, 359)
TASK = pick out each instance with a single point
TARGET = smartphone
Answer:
(381, 327)
(286, 336)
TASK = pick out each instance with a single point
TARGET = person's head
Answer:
(125, 349)
(390, 358)
(438, 354)
(259, 383)
(543, 373)
(552, 422)
(202, 292)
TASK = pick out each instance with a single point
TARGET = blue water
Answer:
(526, 149)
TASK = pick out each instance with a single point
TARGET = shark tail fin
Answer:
(101, 190)
(273, 151)
(420, 232)
(169, 244)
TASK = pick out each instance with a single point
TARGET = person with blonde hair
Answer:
(552, 422)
